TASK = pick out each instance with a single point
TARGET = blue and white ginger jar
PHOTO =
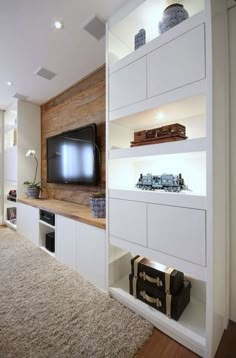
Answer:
(172, 16)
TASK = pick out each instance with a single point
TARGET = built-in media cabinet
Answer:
(177, 77)
(77, 237)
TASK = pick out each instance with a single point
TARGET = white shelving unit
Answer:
(177, 77)
(22, 127)
(45, 228)
(10, 160)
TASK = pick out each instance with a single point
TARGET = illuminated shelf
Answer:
(184, 146)
(121, 36)
(183, 199)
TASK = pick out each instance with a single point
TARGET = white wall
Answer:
(232, 69)
(29, 137)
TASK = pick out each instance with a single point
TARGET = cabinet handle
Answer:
(145, 277)
(150, 299)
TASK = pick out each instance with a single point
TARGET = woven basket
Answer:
(98, 207)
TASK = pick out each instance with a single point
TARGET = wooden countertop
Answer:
(77, 212)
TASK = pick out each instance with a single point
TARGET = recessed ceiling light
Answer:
(9, 83)
(160, 116)
(58, 25)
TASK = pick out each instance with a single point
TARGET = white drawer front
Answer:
(178, 232)
(128, 220)
(128, 85)
(177, 63)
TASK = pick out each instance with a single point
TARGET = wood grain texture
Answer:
(80, 105)
(162, 346)
(73, 211)
(227, 347)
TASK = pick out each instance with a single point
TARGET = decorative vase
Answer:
(172, 16)
(98, 207)
(33, 193)
(140, 39)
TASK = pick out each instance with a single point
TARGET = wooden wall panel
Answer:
(82, 104)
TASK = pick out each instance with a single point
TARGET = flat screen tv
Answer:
(72, 157)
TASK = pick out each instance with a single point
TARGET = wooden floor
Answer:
(161, 346)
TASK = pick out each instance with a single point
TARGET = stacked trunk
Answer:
(164, 289)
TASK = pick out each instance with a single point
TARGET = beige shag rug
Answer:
(47, 310)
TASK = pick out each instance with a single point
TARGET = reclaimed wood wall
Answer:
(82, 104)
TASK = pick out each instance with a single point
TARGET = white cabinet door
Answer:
(128, 221)
(65, 241)
(28, 222)
(178, 232)
(177, 63)
(91, 254)
(128, 85)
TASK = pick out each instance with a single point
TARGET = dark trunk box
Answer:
(150, 272)
(171, 305)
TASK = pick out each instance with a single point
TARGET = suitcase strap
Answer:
(145, 277)
(168, 305)
(150, 299)
(136, 262)
(167, 279)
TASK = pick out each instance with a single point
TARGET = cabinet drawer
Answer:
(128, 85)
(178, 232)
(128, 220)
(178, 63)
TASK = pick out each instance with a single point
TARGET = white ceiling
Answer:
(28, 40)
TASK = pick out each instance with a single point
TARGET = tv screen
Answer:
(72, 157)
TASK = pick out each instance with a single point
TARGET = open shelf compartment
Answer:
(189, 112)
(124, 173)
(190, 329)
(124, 27)
(45, 228)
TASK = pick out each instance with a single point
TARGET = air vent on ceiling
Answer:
(44, 73)
(95, 27)
(20, 96)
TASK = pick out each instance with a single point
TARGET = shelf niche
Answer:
(192, 321)
(190, 112)
(124, 173)
(122, 33)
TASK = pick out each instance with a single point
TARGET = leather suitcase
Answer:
(171, 305)
(157, 276)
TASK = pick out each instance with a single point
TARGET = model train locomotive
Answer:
(167, 182)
